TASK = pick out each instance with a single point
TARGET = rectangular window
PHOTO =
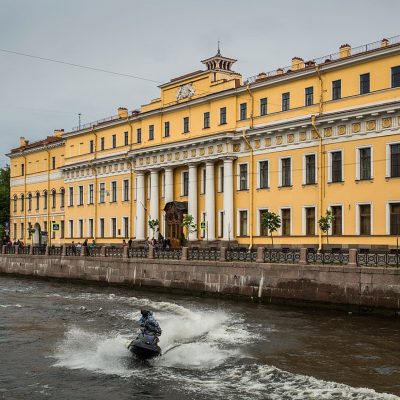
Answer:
(151, 132)
(138, 135)
(365, 219)
(62, 230)
(80, 196)
(71, 228)
(114, 227)
(285, 221)
(81, 228)
(126, 138)
(310, 221)
(263, 174)
(364, 84)
(204, 172)
(15, 231)
(91, 194)
(365, 163)
(126, 226)
(71, 196)
(126, 190)
(221, 179)
(30, 230)
(23, 202)
(206, 120)
(90, 228)
(395, 77)
(336, 89)
(263, 106)
(166, 129)
(186, 125)
(242, 176)
(53, 163)
(185, 177)
(394, 218)
(221, 224)
(394, 160)
(114, 141)
(45, 226)
(285, 101)
(337, 173)
(91, 146)
(62, 198)
(22, 169)
(263, 229)
(243, 223)
(22, 230)
(337, 220)
(310, 169)
(44, 201)
(222, 115)
(309, 96)
(243, 111)
(286, 171)
(102, 143)
(113, 192)
(102, 193)
(101, 227)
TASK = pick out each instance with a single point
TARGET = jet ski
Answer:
(145, 346)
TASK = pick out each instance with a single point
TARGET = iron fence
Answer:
(94, 251)
(55, 250)
(138, 252)
(114, 251)
(210, 254)
(9, 249)
(285, 256)
(378, 258)
(241, 254)
(72, 250)
(171, 254)
(24, 249)
(39, 250)
(333, 256)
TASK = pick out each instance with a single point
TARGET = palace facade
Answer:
(319, 135)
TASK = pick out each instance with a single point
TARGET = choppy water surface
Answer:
(68, 341)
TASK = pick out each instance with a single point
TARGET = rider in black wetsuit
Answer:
(149, 324)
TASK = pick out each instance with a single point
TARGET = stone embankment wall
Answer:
(366, 287)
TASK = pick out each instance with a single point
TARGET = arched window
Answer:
(29, 201)
(22, 202)
(62, 197)
(53, 198)
(15, 203)
(45, 200)
(37, 200)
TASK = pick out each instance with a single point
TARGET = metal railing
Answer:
(72, 251)
(93, 251)
(378, 258)
(241, 254)
(210, 254)
(39, 250)
(284, 256)
(114, 251)
(138, 252)
(24, 249)
(9, 249)
(171, 254)
(333, 256)
(55, 250)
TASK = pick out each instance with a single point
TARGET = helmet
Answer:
(145, 313)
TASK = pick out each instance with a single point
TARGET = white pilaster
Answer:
(228, 200)
(140, 206)
(154, 195)
(210, 201)
(169, 185)
(192, 198)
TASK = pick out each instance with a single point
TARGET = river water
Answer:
(68, 341)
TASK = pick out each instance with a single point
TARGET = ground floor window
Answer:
(285, 221)
(310, 221)
(394, 209)
(337, 224)
(365, 219)
(243, 223)
(263, 229)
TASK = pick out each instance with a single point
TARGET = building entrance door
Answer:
(174, 212)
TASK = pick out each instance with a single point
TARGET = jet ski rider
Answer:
(149, 324)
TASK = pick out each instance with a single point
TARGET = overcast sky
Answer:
(158, 40)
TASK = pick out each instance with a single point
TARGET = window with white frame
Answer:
(243, 179)
(394, 160)
(113, 191)
(263, 167)
(185, 183)
(80, 228)
(71, 228)
(242, 223)
(364, 219)
(113, 227)
(394, 218)
(262, 217)
(101, 227)
(309, 169)
(90, 227)
(337, 224)
(80, 199)
(102, 193)
(126, 190)
(125, 222)
(364, 163)
(286, 221)
(286, 171)
(91, 194)
(71, 196)
(309, 220)
(336, 166)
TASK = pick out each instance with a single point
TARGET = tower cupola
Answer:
(219, 62)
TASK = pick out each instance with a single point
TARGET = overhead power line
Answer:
(79, 65)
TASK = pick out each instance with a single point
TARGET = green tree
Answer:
(272, 222)
(188, 223)
(153, 225)
(4, 198)
(325, 223)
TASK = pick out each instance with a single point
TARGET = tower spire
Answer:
(218, 52)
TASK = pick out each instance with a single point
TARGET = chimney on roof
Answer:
(122, 112)
(344, 50)
(384, 42)
(297, 63)
(58, 132)
(279, 71)
(23, 142)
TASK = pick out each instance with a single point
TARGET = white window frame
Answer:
(330, 165)
(111, 192)
(125, 234)
(291, 218)
(105, 192)
(258, 217)
(80, 228)
(388, 214)
(70, 198)
(238, 177)
(388, 158)
(365, 203)
(280, 170)
(258, 186)
(90, 228)
(71, 225)
(88, 193)
(305, 168)
(238, 221)
(111, 227)
(100, 234)
(182, 182)
(80, 203)
(358, 163)
(343, 218)
(125, 194)
(304, 219)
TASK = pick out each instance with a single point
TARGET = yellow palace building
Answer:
(318, 135)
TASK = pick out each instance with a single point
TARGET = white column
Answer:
(140, 206)
(154, 196)
(192, 198)
(169, 185)
(228, 200)
(210, 201)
